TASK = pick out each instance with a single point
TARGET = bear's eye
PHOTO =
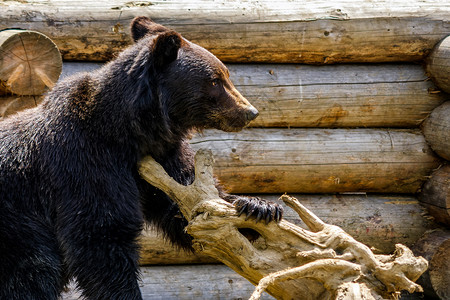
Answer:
(215, 82)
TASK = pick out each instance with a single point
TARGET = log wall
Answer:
(333, 155)
(320, 32)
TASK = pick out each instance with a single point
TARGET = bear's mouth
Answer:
(232, 125)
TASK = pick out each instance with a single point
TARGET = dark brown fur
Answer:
(72, 204)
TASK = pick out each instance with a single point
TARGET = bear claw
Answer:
(258, 209)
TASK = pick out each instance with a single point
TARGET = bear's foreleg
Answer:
(30, 259)
(98, 233)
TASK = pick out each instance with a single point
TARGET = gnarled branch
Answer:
(288, 261)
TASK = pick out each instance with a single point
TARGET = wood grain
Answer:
(208, 282)
(319, 160)
(436, 129)
(321, 32)
(435, 195)
(30, 63)
(434, 246)
(438, 64)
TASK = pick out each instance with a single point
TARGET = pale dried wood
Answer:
(390, 95)
(379, 221)
(326, 261)
(435, 195)
(246, 31)
(438, 64)
(30, 63)
(435, 247)
(436, 129)
(319, 160)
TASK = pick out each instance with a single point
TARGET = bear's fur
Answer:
(71, 201)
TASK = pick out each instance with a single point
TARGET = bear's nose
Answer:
(252, 113)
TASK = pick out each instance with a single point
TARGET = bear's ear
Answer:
(165, 48)
(141, 26)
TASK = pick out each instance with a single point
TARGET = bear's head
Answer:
(193, 86)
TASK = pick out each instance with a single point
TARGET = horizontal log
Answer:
(434, 246)
(389, 95)
(337, 96)
(436, 129)
(189, 282)
(379, 221)
(435, 195)
(30, 63)
(201, 282)
(438, 65)
(319, 160)
(13, 104)
(236, 31)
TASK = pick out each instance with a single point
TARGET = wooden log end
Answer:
(435, 247)
(30, 63)
(435, 195)
(436, 128)
(438, 64)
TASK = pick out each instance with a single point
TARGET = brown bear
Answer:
(72, 203)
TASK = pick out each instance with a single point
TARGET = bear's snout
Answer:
(251, 113)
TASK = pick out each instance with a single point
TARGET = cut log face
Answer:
(435, 195)
(435, 247)
(319, 160)
(11, 105)
(30, 63)
(438, 65)
(436, 129)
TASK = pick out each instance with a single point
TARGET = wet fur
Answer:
(72, 203)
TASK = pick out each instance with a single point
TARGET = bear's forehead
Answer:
(199, 58)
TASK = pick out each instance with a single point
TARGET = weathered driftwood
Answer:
(389, 95)
(435, 195)
(436, 129)
(438, 65)
(320, 160)
(12, 104)
(30, 63)
(435, 247)
(323, 262)
(378, 221)
(245, 31)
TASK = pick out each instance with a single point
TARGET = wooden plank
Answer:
(379, 221)
(319, 160)
(389, 95)
(319, 32)
(438, 64)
